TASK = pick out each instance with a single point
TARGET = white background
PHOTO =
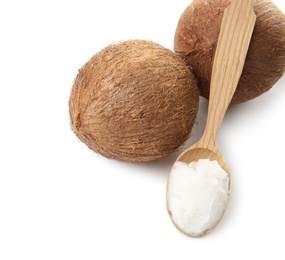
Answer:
(59, 200)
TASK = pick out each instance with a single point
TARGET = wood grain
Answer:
(236, 30)
(234, 38)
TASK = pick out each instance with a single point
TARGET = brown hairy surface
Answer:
(196, 40)
(134, 101)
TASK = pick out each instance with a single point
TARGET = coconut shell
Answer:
(134, 101)
(196, 39)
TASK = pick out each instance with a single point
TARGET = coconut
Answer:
(134, 101)
(196, 40)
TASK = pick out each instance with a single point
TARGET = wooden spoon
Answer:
(234, 38)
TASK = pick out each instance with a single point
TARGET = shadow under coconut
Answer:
(258, 110)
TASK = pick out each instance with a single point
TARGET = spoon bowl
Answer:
(193, 155)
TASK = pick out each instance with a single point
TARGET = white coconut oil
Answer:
(197, 195)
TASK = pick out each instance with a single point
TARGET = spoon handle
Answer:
(235, 34)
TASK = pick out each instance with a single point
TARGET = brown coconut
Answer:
(134, 101)
(196, 40)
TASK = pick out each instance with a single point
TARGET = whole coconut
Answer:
(196, 40)
(134, 101)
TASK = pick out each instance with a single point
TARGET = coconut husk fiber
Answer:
(196, 40)
(134, 101)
